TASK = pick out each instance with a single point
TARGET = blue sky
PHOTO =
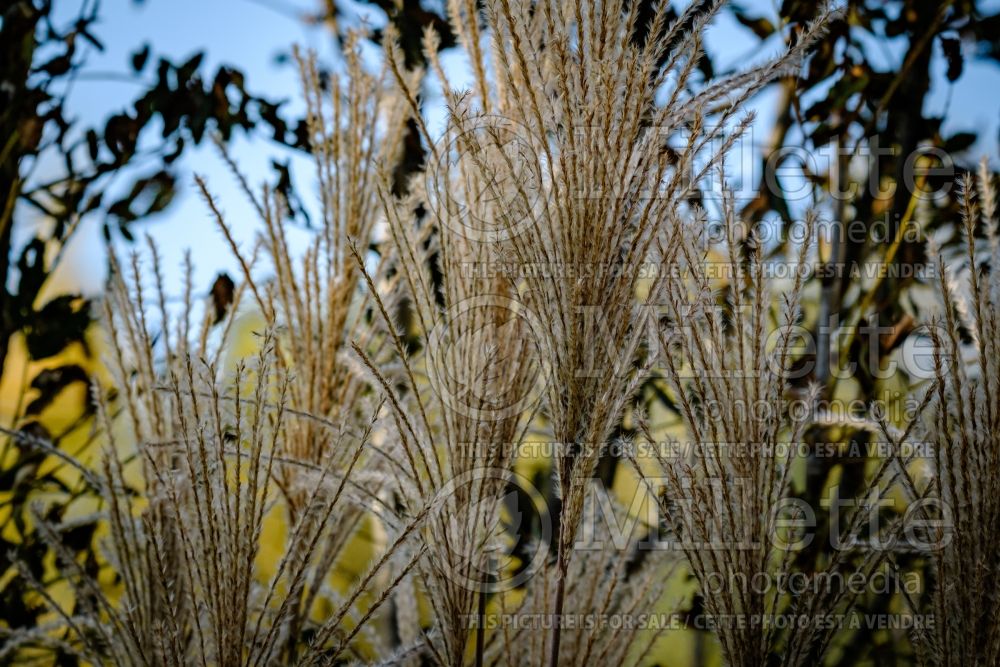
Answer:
(249, 34)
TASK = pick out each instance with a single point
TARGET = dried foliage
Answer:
(502, 295)
(208, 443)
(956, 498)
(725, 492)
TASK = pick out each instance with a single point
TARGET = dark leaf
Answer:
(62, 321)
(953, 53)
(57, 66)
(31, 267)
(960, 142)
(51, 381)
(222, 296)
(761, 26)
(121, 133)
(187, 70)
(140, 57)
(92, 146)
(78, 538)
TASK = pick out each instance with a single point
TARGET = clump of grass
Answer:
(724, 488)
(957, 496)
(612, 583)
(605, 131)
(453, 442)
(202, 447)
(317, 302)
(200, 455)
